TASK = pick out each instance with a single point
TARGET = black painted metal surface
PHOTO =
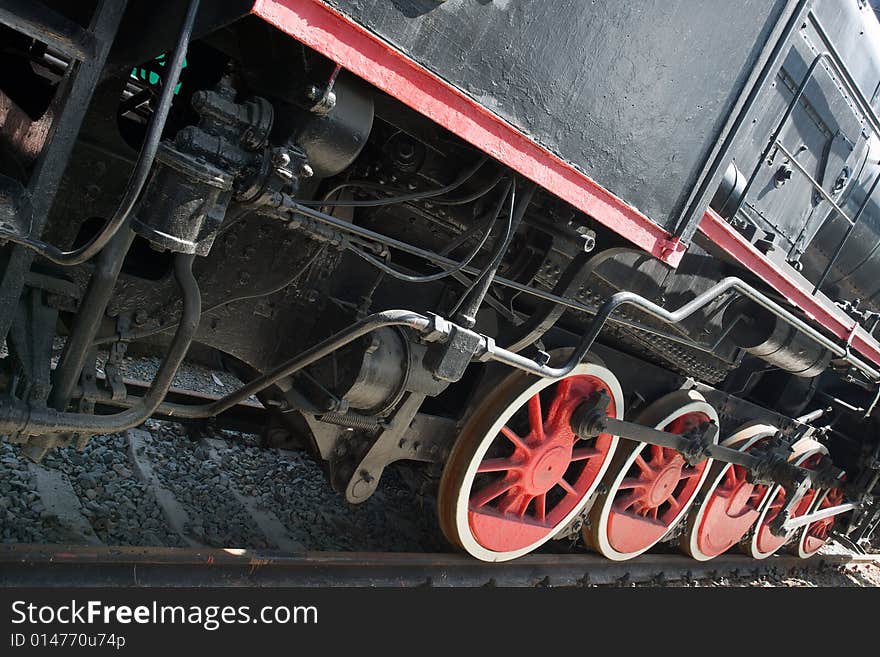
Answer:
(634, 94)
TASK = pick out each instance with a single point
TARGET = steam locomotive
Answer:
(599, 271)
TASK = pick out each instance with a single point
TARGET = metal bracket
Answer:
(778, 526)
(449, 359)
(31, 343)
(118, 389)
(366, 474)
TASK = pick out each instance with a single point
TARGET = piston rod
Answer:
(821, 514)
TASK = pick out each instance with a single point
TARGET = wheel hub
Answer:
(665, 482)
(548, 468)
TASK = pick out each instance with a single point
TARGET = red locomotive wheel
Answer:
(816, 534)
(518, 474)
(729, 505)
(762, 542)
(651, 488)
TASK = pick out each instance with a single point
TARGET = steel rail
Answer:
(63, 565)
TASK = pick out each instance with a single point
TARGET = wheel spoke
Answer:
(497, 465)
(689, 473)
(674, 503)
(656, 454)
(567, 487)
(541, 507)
(643, 465)
(524, 505)
(514, 502)
(485, 495)
(757, 494)
(563, 388)
(730, 477)
(514, 438)
(631, 482)
(536, 419)
(584, 453)
(625, 503)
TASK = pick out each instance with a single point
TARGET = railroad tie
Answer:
(61, 501)
(174, 513)
(269, 524)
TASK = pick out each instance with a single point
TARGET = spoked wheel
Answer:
(816, 534)
(518, 474)
(762, 542)
(728, 506)
(651, 488)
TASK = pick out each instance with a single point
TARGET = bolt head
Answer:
(280, 158)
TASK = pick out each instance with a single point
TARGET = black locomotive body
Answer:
(600, 268)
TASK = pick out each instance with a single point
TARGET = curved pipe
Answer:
(23, 418)
(14, 419)
(674, 317)
(324, 348)
(488, 351)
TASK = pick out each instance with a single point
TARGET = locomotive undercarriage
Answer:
(390, 294)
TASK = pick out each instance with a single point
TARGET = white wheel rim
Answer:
(697, 405)
(743, 439)
(754, 551)
(464, 534)
(802, 540)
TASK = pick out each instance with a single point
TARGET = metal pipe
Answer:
(821, 514)
(324, 348)
(675, 317)
(489, 351)
(141, 169)
(438, 329)
(88, 318)
(430, 256)
(815, 183)
(25, 418)
(470, 304)
(618, 299)
(813, 415)
(367, 234)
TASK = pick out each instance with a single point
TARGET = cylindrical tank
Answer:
(763, 334)
(855, 272)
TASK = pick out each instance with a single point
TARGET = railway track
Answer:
(94, 561)
(89, 566)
